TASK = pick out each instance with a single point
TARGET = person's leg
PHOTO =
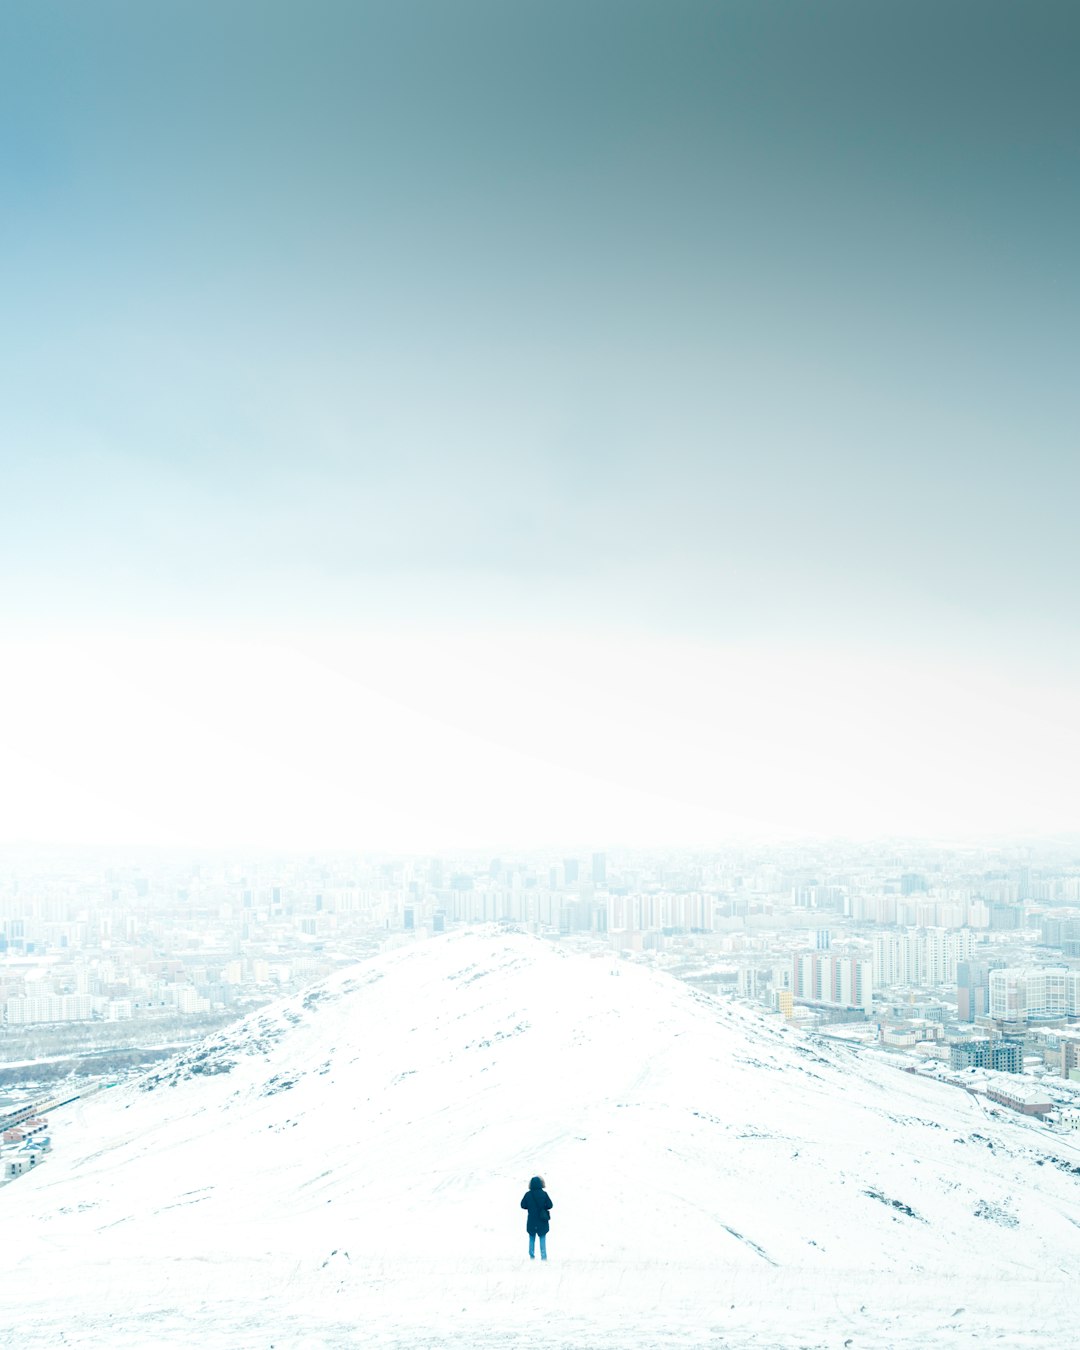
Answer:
(532, 1245)
(543, 1246)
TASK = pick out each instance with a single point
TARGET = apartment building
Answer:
(1026, 993)
(927, 957)
(835, 981)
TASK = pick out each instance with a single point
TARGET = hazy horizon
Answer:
(460, 426)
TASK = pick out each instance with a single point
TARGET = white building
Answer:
(1021, 993)
(49, 1008)
(921, 956)
(839, 981)
(187, 999)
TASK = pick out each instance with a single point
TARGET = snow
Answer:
(344, 1167)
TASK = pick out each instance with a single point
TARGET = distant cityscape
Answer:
(961, 963)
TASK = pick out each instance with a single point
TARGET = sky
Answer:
(431, 425)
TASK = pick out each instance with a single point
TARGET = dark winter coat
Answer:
(537, 1201)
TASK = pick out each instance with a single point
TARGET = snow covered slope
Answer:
(345, 1167)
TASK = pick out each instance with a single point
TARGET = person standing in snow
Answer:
(537, 1201)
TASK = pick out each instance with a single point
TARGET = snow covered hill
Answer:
(344, 1168)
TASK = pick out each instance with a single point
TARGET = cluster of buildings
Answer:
(165, 943)
(933, 948)
(24, 1141)
(23, 1147)
(925, 958)
(25, 1138)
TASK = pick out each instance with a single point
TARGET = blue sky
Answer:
(745, 326)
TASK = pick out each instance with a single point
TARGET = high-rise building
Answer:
(1060, 932)
(751, 981)
(834, 981)
(922, 956)
(599, 869)
(1020, 995)
(49, 1008)
(972, 990)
